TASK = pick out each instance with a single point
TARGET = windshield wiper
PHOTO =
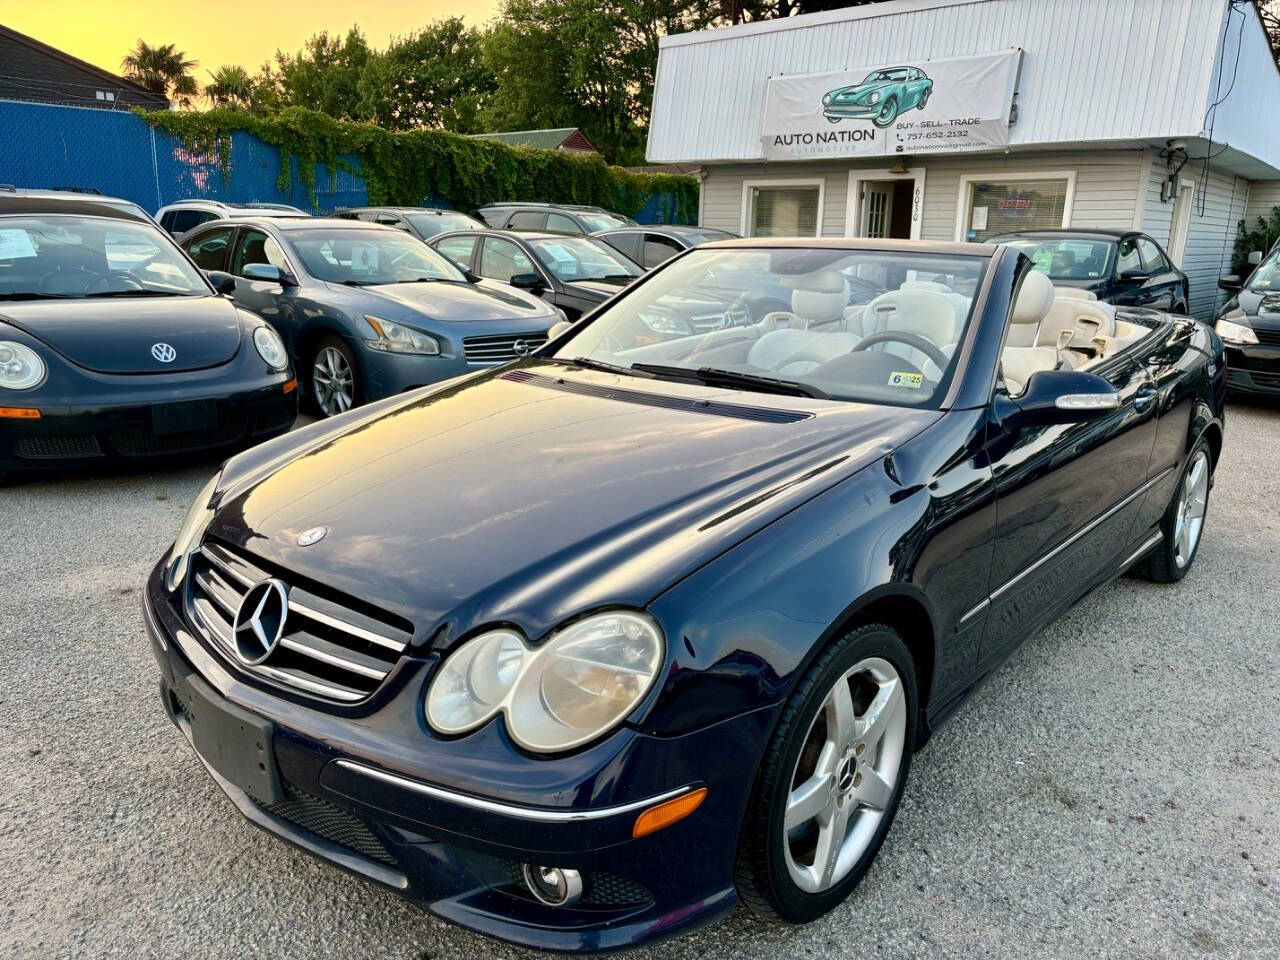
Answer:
(716, 376)
(362, 283)
(591, 364)
(31, 295)
(612, 276)
(137, 293)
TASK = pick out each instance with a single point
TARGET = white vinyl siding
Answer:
(1106, 187)
(1264, 196)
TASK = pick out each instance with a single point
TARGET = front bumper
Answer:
(1253, 369)
(118, 425)
(358, 799)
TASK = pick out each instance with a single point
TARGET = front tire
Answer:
(334, 377)
(1183, 522)
(831, 779)
(888, 113)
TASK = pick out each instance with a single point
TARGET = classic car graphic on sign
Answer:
(883, 95)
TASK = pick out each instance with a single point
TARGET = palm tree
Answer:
(164, 69)
(229, 86)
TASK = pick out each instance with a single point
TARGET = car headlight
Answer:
(1232, 332)
(665, 323)
(270, 347)
(190, 532)
(20, 367)
(397, 338)
(574, 688)
(874, 98)
(826, 99)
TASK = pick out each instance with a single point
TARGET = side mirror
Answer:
(224, 283)
(1135, 276)
(557, 328)
(1064, 396)
(1230, 283)
(1255, 258)
(527, 281)
(270, 273)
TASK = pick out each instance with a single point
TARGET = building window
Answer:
(791, 209)
(1007, 205)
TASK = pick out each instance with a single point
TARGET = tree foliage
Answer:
(324, 75)
(164, 69)
(229, 86)
(408, 167)
(433, 78)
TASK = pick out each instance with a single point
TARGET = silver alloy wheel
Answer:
(846, 773)
(1189, 521)
(334, 381)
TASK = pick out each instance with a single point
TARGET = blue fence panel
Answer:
(118, 153)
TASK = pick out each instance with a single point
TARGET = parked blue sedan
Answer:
(366, 311)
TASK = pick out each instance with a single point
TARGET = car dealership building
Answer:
(963, 119)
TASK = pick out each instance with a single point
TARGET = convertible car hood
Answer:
(117, 335)
(463, 301)
(530, 494)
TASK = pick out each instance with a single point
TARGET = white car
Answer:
(184, 215)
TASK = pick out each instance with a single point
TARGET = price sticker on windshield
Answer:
(911, 381)
(16, 245)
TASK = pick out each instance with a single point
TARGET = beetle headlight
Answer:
(397, 338)
(20, 366)
(190, 532)
(577, 686)
(270, 347)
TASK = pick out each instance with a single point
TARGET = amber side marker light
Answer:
(665, 814)
(20, 413)
(290, 385)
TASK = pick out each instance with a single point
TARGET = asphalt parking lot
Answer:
(1111, 793)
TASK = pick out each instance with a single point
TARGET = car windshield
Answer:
(1064, 258)
(1267, 276)
(55, 255)
(881, 76)
(579, 258)
(369, 257)
(604, 221)
(429, 224)
(868, 325)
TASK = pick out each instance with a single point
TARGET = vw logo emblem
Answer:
(307, 537)
(521, 348)
(163, 352)
(259, 623)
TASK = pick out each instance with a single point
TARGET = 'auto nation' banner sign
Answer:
(925, 106)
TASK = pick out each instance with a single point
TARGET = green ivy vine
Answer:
(401, 168)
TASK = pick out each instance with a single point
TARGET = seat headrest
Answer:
(1073, 293)
(922, 312)
(933, 285)
(819, 297)
(1035, 297)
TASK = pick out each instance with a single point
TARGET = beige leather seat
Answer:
(1084, 319)
(926, 313)
(1019, 362)
(811, 332)
(1073, 293)
(959, 302)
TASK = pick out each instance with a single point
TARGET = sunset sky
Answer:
(236, 32)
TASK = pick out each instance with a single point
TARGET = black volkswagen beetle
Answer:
(1249, 325)
(114, 345)
(581, 650)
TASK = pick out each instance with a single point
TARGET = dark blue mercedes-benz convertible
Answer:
(581, 650)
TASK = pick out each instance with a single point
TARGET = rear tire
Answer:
(831, 778)
(1182, 523)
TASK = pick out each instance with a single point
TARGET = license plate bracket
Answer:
(187, 416)
(235, 742)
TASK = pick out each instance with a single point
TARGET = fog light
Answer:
(553, 886)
